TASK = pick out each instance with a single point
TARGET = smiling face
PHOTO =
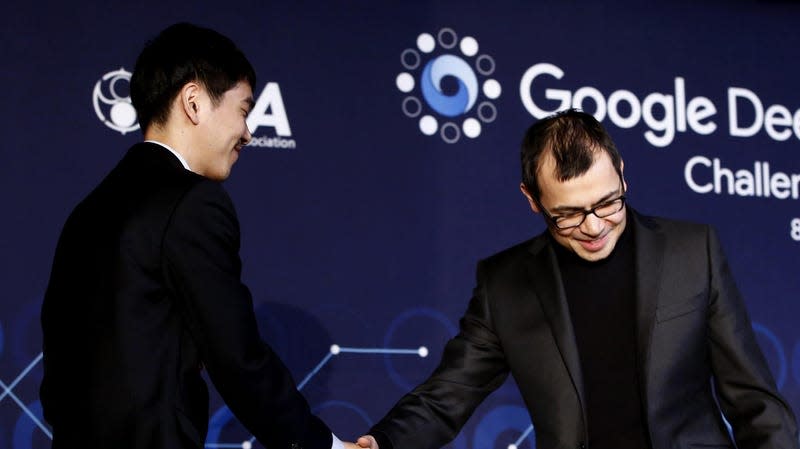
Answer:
(596, 237)
(222, 131)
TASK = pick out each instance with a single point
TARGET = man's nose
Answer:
(246, 137)
(592, 225)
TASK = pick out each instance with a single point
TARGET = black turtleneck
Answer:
(602, 305)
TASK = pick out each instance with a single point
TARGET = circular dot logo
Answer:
(112, 101)
(448, 86)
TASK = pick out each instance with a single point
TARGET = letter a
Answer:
(269, 111)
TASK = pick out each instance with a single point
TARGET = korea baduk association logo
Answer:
(449, 85)
(112, 101)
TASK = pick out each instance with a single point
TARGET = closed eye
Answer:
(571, 211)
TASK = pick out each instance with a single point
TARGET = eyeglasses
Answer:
(575, 219)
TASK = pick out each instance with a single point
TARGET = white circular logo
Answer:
(441, 110)
(112, 105)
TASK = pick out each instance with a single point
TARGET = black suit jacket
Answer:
(693, 337)
(145, 292)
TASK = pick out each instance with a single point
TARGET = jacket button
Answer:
(581, 445)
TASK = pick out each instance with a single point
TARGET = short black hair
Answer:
(180, 54)
(574, 138)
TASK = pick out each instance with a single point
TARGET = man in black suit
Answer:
(145, 290)
(622, 331)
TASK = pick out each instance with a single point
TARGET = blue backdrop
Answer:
(385, 164)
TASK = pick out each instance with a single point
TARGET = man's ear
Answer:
(189, 101)
(622, 174)
(531, 201)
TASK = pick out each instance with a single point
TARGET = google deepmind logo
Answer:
(449, 91)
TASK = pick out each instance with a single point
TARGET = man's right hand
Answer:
(367, 442)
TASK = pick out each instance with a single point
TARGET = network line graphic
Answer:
(521, 438)
(335, 350)
(8, 392)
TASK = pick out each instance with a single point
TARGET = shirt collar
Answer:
(171, 150)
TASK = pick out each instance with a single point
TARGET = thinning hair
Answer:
(573, 138)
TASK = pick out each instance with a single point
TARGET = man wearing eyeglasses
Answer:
(622, 331)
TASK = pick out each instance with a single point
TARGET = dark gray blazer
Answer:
(145, 292)
(692, 332)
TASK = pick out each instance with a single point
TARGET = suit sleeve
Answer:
(472, 366)
(202, 270)
(749, 399)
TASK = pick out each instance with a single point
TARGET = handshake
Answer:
(364, 442)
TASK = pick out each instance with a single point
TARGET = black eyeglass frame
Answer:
(554, 219)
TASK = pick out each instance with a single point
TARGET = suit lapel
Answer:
(545, 281)
(649, 265)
